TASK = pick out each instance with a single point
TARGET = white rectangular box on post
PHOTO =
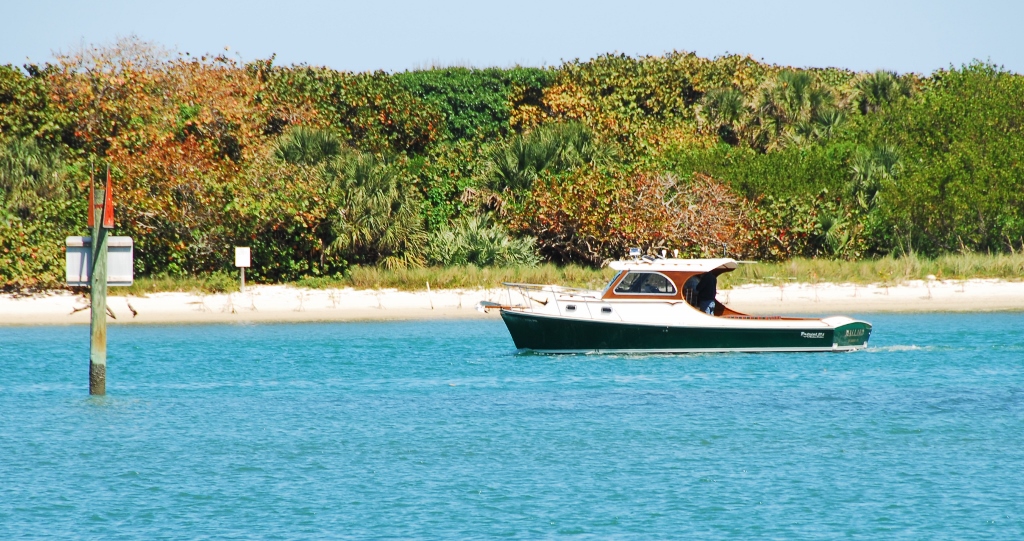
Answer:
(120, 261)
(242, 261)
(242, 257)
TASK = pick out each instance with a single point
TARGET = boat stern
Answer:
(849, 334)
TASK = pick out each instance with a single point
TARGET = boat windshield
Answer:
(611, 283)
(650, 283)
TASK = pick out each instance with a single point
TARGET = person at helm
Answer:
(707, 290)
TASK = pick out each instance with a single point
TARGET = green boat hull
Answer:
(548, 334)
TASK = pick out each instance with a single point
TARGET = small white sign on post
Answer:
(242, 257)
(243, 260)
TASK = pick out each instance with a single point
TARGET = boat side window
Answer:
(646, 283)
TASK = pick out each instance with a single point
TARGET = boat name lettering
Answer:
(812, 334)
(854, 332)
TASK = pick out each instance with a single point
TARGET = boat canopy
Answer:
(724, 264)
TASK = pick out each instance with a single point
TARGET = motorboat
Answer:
(650, 307)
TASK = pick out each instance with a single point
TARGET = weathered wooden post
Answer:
(101, 219)
(97, 262)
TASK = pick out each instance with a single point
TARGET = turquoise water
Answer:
(437, 430)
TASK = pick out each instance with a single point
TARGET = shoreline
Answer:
(278, 303)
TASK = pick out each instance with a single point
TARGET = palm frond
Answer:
(307, 146)
(378, 218)
(477, 240)
(28, 172)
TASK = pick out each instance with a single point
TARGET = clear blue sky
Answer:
(918, 36)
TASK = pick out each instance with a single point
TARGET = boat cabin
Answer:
(663, 279)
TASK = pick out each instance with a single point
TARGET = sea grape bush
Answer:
(777, 229)
(961, 140)
(578, 161)
(476, 103)
(371, 111)
(593, 214)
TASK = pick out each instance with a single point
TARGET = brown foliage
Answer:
(178, 133)
(124, 98)
(592, 216)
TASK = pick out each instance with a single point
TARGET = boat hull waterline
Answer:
(554, 334)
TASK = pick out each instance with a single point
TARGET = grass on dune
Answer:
(217, 282)
(887, 270)
(463, 277)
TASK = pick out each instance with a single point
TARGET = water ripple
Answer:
(439, 430)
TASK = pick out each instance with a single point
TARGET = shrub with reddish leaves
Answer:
(592, 215)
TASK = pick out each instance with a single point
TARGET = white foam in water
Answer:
(895, 348)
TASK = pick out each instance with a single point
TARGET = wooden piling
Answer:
(98, 298)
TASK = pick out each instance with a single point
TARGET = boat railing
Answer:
(529, 293)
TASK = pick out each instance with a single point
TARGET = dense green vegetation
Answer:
(329, 175)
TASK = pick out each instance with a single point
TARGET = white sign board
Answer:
(242, 258)
(120, 261)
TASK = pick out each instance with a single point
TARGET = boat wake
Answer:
(889, 349)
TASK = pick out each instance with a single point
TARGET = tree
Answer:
(37, 211)
(477, 240)
(827, 123)
(377, 219)
(870, 168)
(550, 147)
(28, 173)
(787, 108)
(25, 108)
(477, 103)
(877, 89)
(307, 146)
(723, 108)
(590, 215)
(369, 111)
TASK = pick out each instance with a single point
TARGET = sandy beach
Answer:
(269, 303)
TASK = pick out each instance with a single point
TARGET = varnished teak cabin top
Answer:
(678, 271)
